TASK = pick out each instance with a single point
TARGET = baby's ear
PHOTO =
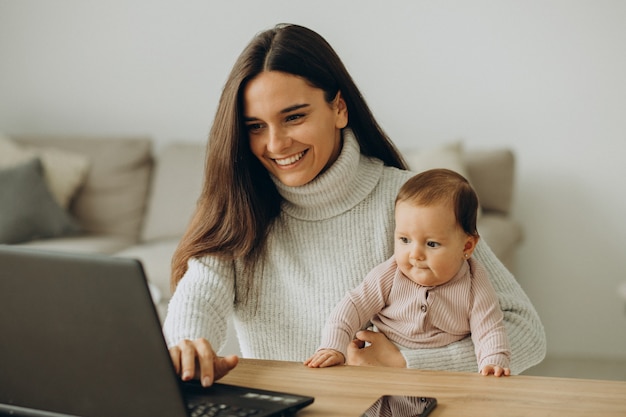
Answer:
(470, 245)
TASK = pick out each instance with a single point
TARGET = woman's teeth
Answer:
(290, 160)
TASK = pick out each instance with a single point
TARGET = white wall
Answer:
(546, 78)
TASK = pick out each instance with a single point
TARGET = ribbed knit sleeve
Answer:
(486, 321)
(202, 301)
(358, 307)
(524, 329)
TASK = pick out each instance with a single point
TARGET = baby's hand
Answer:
(325, 357)
(495, 370)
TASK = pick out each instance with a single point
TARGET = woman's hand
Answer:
(197, 359)
(380, 352)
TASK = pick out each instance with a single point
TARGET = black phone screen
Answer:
(401, 406)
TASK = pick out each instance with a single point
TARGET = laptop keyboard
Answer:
(223, 400)
(220, 410)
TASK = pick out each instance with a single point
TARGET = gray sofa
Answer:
(136, 199)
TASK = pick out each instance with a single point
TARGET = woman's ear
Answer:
(341, 109)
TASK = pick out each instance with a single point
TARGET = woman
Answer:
(297, 207)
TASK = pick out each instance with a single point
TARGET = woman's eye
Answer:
(294, 117)
(254, 127)
(432, 244)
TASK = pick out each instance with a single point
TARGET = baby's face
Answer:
(429, 245)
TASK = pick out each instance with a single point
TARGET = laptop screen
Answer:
(80, 336)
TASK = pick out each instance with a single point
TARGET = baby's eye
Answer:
(432, 244)
(404, 240)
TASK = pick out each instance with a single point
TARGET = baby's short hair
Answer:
(443, 186)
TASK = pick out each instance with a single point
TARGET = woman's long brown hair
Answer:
(239, 201)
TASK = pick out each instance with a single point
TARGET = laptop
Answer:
(80, 336)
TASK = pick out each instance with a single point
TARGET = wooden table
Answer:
(348, 390)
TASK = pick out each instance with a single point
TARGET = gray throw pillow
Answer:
(28, 210)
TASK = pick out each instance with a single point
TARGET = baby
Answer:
(431, 292)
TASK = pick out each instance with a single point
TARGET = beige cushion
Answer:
(490, 171)
(493, 173)
(176, 186)
(503, 236)
(64, 172)
(113, 198)
(449, 156)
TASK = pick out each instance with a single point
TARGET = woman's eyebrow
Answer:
(283, 111)
(293, 108)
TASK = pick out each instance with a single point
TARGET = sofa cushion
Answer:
(449, 156)
(27, 208)
(83, 243)
(64, 171)
(113, 197)
(503, 236)
(176, 186)
(492, 172)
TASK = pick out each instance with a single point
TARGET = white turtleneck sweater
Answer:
(331, 232)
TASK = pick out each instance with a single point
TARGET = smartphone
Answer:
(401, 406)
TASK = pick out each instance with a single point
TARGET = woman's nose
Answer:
(278, 140)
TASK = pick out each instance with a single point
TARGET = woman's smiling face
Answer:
(292, 129)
